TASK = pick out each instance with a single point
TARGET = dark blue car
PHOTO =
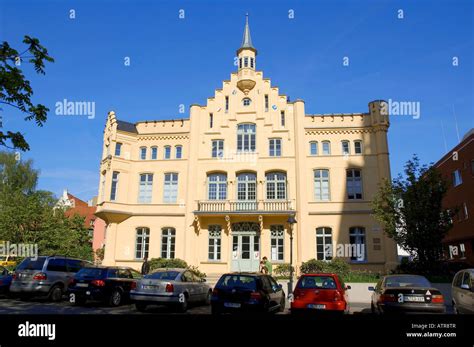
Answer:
(5, 280)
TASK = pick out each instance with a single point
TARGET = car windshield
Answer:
(30, 264)
(163, 275)
(407, 281)
(317, 282)
(90, 272)
(238, 281)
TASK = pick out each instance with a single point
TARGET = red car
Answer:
(320, 292)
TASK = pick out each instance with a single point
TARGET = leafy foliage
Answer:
(283, 270)
(163, 263)
(15, 89)
(410, 210)
(336, 265)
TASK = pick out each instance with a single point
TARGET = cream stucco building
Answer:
(216, 189)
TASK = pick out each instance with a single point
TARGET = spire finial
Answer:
(247, 40)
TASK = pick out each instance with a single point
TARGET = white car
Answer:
(462, 290)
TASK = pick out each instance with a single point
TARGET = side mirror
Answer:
(465, 286)
(371, 289)
(349, 287)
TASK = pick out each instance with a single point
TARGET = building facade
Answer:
(457, 167)
(217, 189)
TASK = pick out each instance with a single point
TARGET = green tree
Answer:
(410, 210)
(15, 89)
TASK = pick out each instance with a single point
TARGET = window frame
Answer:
(277, 239)
(145, 188)
(351, 187)
(326, 232)
(274, 180)
(214, 243)
(170, 188)
(244, 136)
(220, 186)
(143, 153)
(319, 195)
(274, 147)
(168, 240)
(118, 149)
(144, 243)
(178, 152)
(316, 146)
(114, 185)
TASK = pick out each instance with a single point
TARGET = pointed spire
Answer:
(246, 39)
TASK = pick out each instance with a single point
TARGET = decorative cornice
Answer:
(339, 131)
(162, 137)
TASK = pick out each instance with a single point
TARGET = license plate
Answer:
(317, 307)
(231, 304)
(414, 299)
(149, 287)
(82, 285)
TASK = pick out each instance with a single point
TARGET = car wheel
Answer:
(115, 298)
(56, 293)
(183, 304)
(140, 307)
(208, 298)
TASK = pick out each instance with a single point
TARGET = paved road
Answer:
(42, 306)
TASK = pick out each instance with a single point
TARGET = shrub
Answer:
(160, 263)
(337, 265)
(195, 270)
(283, 270)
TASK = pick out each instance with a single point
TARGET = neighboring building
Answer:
(218, 188)
(457, 167)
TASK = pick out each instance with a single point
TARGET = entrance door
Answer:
(245, 247)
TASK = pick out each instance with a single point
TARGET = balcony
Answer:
(213, 207)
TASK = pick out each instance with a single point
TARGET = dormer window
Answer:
(246, 101)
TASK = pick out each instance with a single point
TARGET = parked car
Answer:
(172, 287)
(247, 292)
(5, 280)
(323, 292)
(7, 261)
(45, 276)
(462, 290)
(406, 293)
(109, 284)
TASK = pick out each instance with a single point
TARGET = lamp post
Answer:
(291, 222)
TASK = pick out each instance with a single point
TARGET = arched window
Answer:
(217, 186)
(154, 153)
(179, 152)
(345, 147)
(276, 185)
(324, 249)
(247, 186)
(168, 237)
(167, 154)
(313, 148)
(326, 148)
(143, 153)
(246, 137)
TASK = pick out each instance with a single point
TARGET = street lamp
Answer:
(291, 221)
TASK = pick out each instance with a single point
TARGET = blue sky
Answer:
(182, 61)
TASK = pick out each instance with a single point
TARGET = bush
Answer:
(160, 263)
(283, 270)
(337, 265)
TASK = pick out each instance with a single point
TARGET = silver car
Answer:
(173, 287)
(48, 276)
(462, 291)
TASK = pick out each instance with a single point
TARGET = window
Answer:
(321, 185)
(154, 153)
(266, 102)
(326, 148)
(324, 243)
(179, 152)
(345, 148)
(211, 120)
(226, 104)
(145, 189)
(57, 264)
(252, 63)
(246, 61)
(277, 241)
(358, 147)
(214, 242)
(275, 147)
(246, 186)
(167, 153)
(354, 184)
(142, 242)
(118, 149)
(282, 118)
(246, 137)
(457, 178)
(143, 153)
(276, 186)
(170, 191)
(466, 213)
(217, 148)
(246, 101)
(240, 63)
(113, 189)
(217, 187)
(313, 148)
(358, 246)
(168, 236)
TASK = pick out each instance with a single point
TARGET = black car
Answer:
(406, 293)
(111, 285)
(247, 292)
